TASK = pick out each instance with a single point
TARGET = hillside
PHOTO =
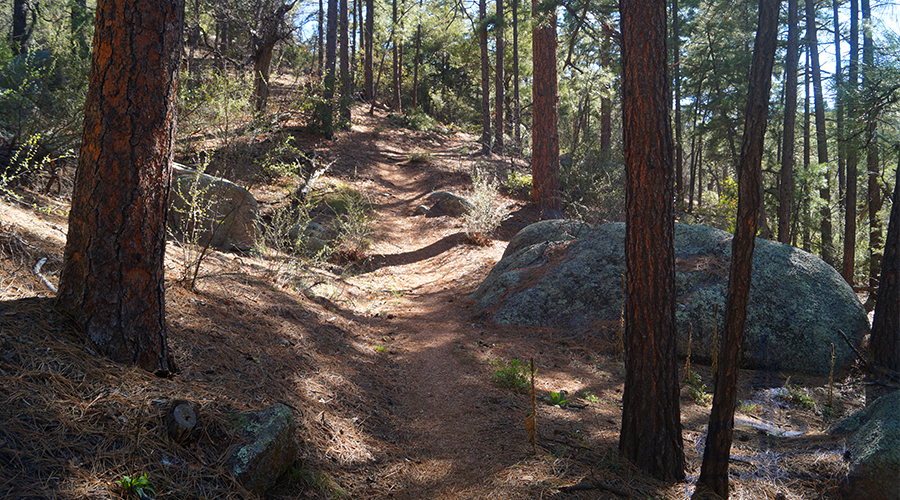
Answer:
(390, 378)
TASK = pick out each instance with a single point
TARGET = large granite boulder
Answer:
(567, 275)
(215, 211)
(270, 450)
(873, 444)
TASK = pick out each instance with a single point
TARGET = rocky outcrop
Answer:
(213, 211)
(270, 450)
(566, 275)
(445, 202)
(873, 445)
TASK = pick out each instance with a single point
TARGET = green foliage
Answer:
(354, 224)
(282, 160)
(518, 183)
(216, 103)
(591, 398)
(697, 389)
(798, 397)
(414, 120)
(557, 399)
(138, 486)
(593, 187)
(512, 375)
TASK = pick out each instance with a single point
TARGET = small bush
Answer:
(485, 216)
(512, 375)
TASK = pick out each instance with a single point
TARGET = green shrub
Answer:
(512, 375)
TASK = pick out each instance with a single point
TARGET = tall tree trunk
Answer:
(516, 110)
(355, 8)
(786, 188)
(321, 40)
(485, 78)
(714, 471)
(605, 104)
(370, 46)
(263, 46)
(326, 107)
(20, 33)
(346, 82)
(113, 276)
(415, 93)
(545, 135)
(821, 137)
(872, 164)
(839, 105)
(651, 417)
(700, 173)
(885, 345)
(498, 82)
(395, 62)
(852, 148)
(679, 145)
(807, 157)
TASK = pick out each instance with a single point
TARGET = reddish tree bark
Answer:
(498, 82)
(651, 418)
(714, 471)
(786, 190)
(545, 135)
(885, 332)
(485, 79)
(112, 280)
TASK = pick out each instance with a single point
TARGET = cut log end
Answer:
(180, 421)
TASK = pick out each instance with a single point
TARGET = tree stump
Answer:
(180, 420)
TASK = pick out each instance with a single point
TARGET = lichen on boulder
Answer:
(568, 275)
(270, 449)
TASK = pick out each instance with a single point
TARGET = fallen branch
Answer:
(37, 271)
(854, 349)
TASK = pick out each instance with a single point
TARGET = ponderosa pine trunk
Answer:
(786, 188)
(821, 137)
(485, 78)
(851, 146)
(676, 68)
(517, 109)
(651, 417)
(112, 282)
(873, 168)
(346, 82)
(545, 185)
(326, 119)
(369, 56)
(885, 345)
(396, 67)
(20, 33)
(716, 456)
(605, 102)
(498, 82)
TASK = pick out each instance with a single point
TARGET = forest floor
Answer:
(390, 376)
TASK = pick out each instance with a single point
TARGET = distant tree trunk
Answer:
(325, 108)
(113, 276)
(839, 103)
(872, 164)
(786, 188)
(679, 145)
(885, 345)
(415, 96)
(21, 32)
(605, 104)
(353, 31)
(517, 109)
(321, 40)
(716, 456)
(545, 134)
(485, 79)
(700, 173)
(821, 137)
(498, 82)
(807, 157)
(651, 418)
(395, 62)
(346, 82)
(370, 43)
(852, 148)
(263, 46)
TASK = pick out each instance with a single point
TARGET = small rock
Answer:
(270, 450)
(449, 203)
